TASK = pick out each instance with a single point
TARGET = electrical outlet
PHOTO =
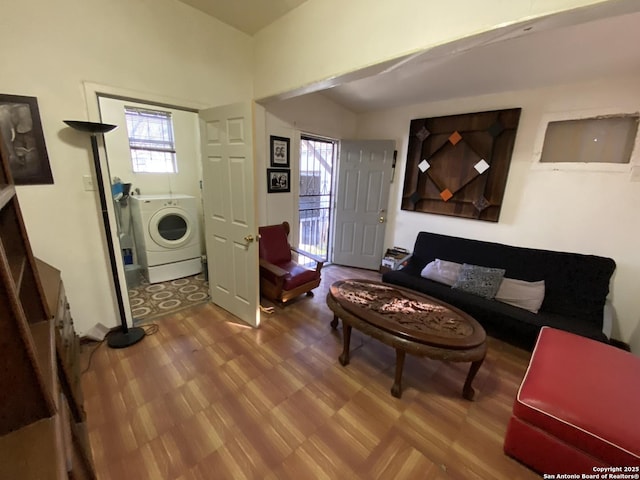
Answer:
(87, 182)
(635, 173)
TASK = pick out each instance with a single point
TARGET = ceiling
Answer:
(550, 56)
(576, 46)
(248, 16)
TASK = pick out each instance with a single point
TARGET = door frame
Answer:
(91, 93)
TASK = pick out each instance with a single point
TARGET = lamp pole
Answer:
(126, 336)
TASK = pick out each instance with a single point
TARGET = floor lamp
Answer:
(126, 336)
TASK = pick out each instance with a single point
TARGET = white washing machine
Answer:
(167, 235)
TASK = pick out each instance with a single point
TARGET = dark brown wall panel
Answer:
(458, 165)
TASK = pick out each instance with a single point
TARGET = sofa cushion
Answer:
(298, 275)
(519, 293)
(442, 271)
(576, 285)
(479, 280)
(500, 319)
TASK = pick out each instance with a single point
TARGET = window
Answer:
(151, 142)
(604, 139)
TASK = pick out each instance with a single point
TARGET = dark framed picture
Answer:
(278, 180)
(21, 133)
(279, 151)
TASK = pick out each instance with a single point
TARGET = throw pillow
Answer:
(482, 281)
(522, 294)
(442, 271)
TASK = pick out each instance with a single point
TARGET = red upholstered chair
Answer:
(281, 278)
(577, 407)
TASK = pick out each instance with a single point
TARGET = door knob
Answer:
(381, 220)
(249, 239)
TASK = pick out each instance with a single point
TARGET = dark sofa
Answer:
(576, 286)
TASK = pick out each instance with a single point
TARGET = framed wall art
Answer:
(278, 180)
(279, 148)
(23, 139)
(458, 165)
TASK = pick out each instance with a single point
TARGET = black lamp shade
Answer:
(90, 127)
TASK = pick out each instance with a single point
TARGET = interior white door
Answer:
(229, 209)
(364, 180)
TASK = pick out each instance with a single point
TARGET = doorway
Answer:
(152, 163)
(315, 198)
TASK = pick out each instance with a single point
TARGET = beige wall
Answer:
(324, 39)
(48, 49)
(583, 211)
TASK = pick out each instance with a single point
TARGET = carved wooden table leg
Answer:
(346, 332)
(396, 388)
(350, 300)
(467, 391)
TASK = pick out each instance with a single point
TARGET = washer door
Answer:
(171, 227)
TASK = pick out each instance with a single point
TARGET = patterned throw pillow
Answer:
(482, 281)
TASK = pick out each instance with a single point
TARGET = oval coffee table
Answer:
(410, 322)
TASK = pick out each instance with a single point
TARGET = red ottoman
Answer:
(578, 407)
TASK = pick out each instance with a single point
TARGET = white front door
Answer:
(364, 180)
(229, 209)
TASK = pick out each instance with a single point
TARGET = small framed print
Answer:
(23, 138)
(279, 151)
(278, 180)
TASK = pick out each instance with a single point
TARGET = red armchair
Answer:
(281, 278)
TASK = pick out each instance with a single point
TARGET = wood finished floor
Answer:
(207, 398)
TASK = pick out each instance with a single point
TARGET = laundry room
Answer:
(154, 164)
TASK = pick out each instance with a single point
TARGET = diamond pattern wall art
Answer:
(457, 165)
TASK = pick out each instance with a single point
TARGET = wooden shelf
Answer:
(7, 192)
(43, 336)
(17, 265)
(28, 453)
(36, 450)
(50, 279)
(39, 362)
